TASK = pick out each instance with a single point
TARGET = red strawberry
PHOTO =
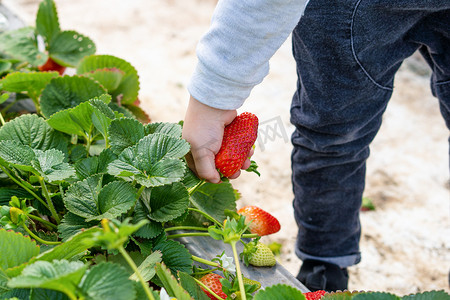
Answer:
(238, 139)
(51, 65)
(212, 281)
(263, 223)
(314, 295)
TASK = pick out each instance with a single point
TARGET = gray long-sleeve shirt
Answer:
(233, 56)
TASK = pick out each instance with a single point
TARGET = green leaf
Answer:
(128, 89)
(102, 116)
(376, 296)
(67, 48)
(32, 130)
(72, 224)
(147, 267)
(125, 133)
(44, 294)
(172, 286)
(175, 256)
(109, 78)
(59, 275)
(15, 249)
(47, 23)
(171, 129)
(18, 155)
(214, 199)
(149, 230)
(108, 281)
(90, 200)
(189, 284)
(166, 202)
(87, 167)
(67, 92)
(7, 193)
(31, 83)
(429, 295)
(50, 165)
(279, 292)
(21, 44)
(154, 161)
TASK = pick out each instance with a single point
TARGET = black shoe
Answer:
(320, 275)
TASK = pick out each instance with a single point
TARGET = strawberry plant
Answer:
(93, 199)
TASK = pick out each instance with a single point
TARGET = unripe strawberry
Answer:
(212, 281)
(262, 257)
(263, 223)
(238, 139)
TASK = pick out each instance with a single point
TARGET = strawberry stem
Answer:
(238, 271)
(174, 236)
(206, 216)
(38, 238)
(186, 228)
(204, 261)
(193, 189)
(208, 289)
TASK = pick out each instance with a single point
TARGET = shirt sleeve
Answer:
(233, 56)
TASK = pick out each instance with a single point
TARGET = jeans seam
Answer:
(442, 82)
(354, 51)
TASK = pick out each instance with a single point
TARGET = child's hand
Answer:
(203, 129)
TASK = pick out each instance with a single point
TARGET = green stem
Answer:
(205, 272)
(208, 289)
(204, 261)
(206, 216)
(186, 228)
(136, 271)
(49, 200)
(38, 238)
(174, 236)
(43, 221)
(1, 119)
(139, 193)
(24, 187)
(238, 271)
(193, 189)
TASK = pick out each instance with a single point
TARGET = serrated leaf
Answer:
(59, 275)
(6, 194)
(375, 296)
(149, 230)
(90, 200)
(21, 44)
(109, 78)
(128, 88)
(15, 249)
(67, 92)
(189, 284)
(33, 131)
(31, 83)
(214, 199)
(125, 133)
(47, 23)
(18, 155)
(153, 161)
(172, 286)
(171, 129)
(67, 48)
(147, 267)
(72, 224)
(175, 256)
(137, 112)
(50, 165)
(75, 245)
(102, 116)
(44, 294)
(166, 202)
(86, 167)
(428, 295)
(279, 292)
(108, 281)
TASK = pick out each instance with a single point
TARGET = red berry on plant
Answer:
(51, 65)
(238, 138)
(212, 281)
(263, 223)
(314, 295)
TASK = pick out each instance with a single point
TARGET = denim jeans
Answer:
(347, 55)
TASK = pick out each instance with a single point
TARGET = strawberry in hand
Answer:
(238, 138)
(262, 222)
(212, 281)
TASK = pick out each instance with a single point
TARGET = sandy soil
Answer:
(405, 241)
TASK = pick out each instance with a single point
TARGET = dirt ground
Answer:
(405, 242)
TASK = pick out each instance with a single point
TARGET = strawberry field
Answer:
(95, 197)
